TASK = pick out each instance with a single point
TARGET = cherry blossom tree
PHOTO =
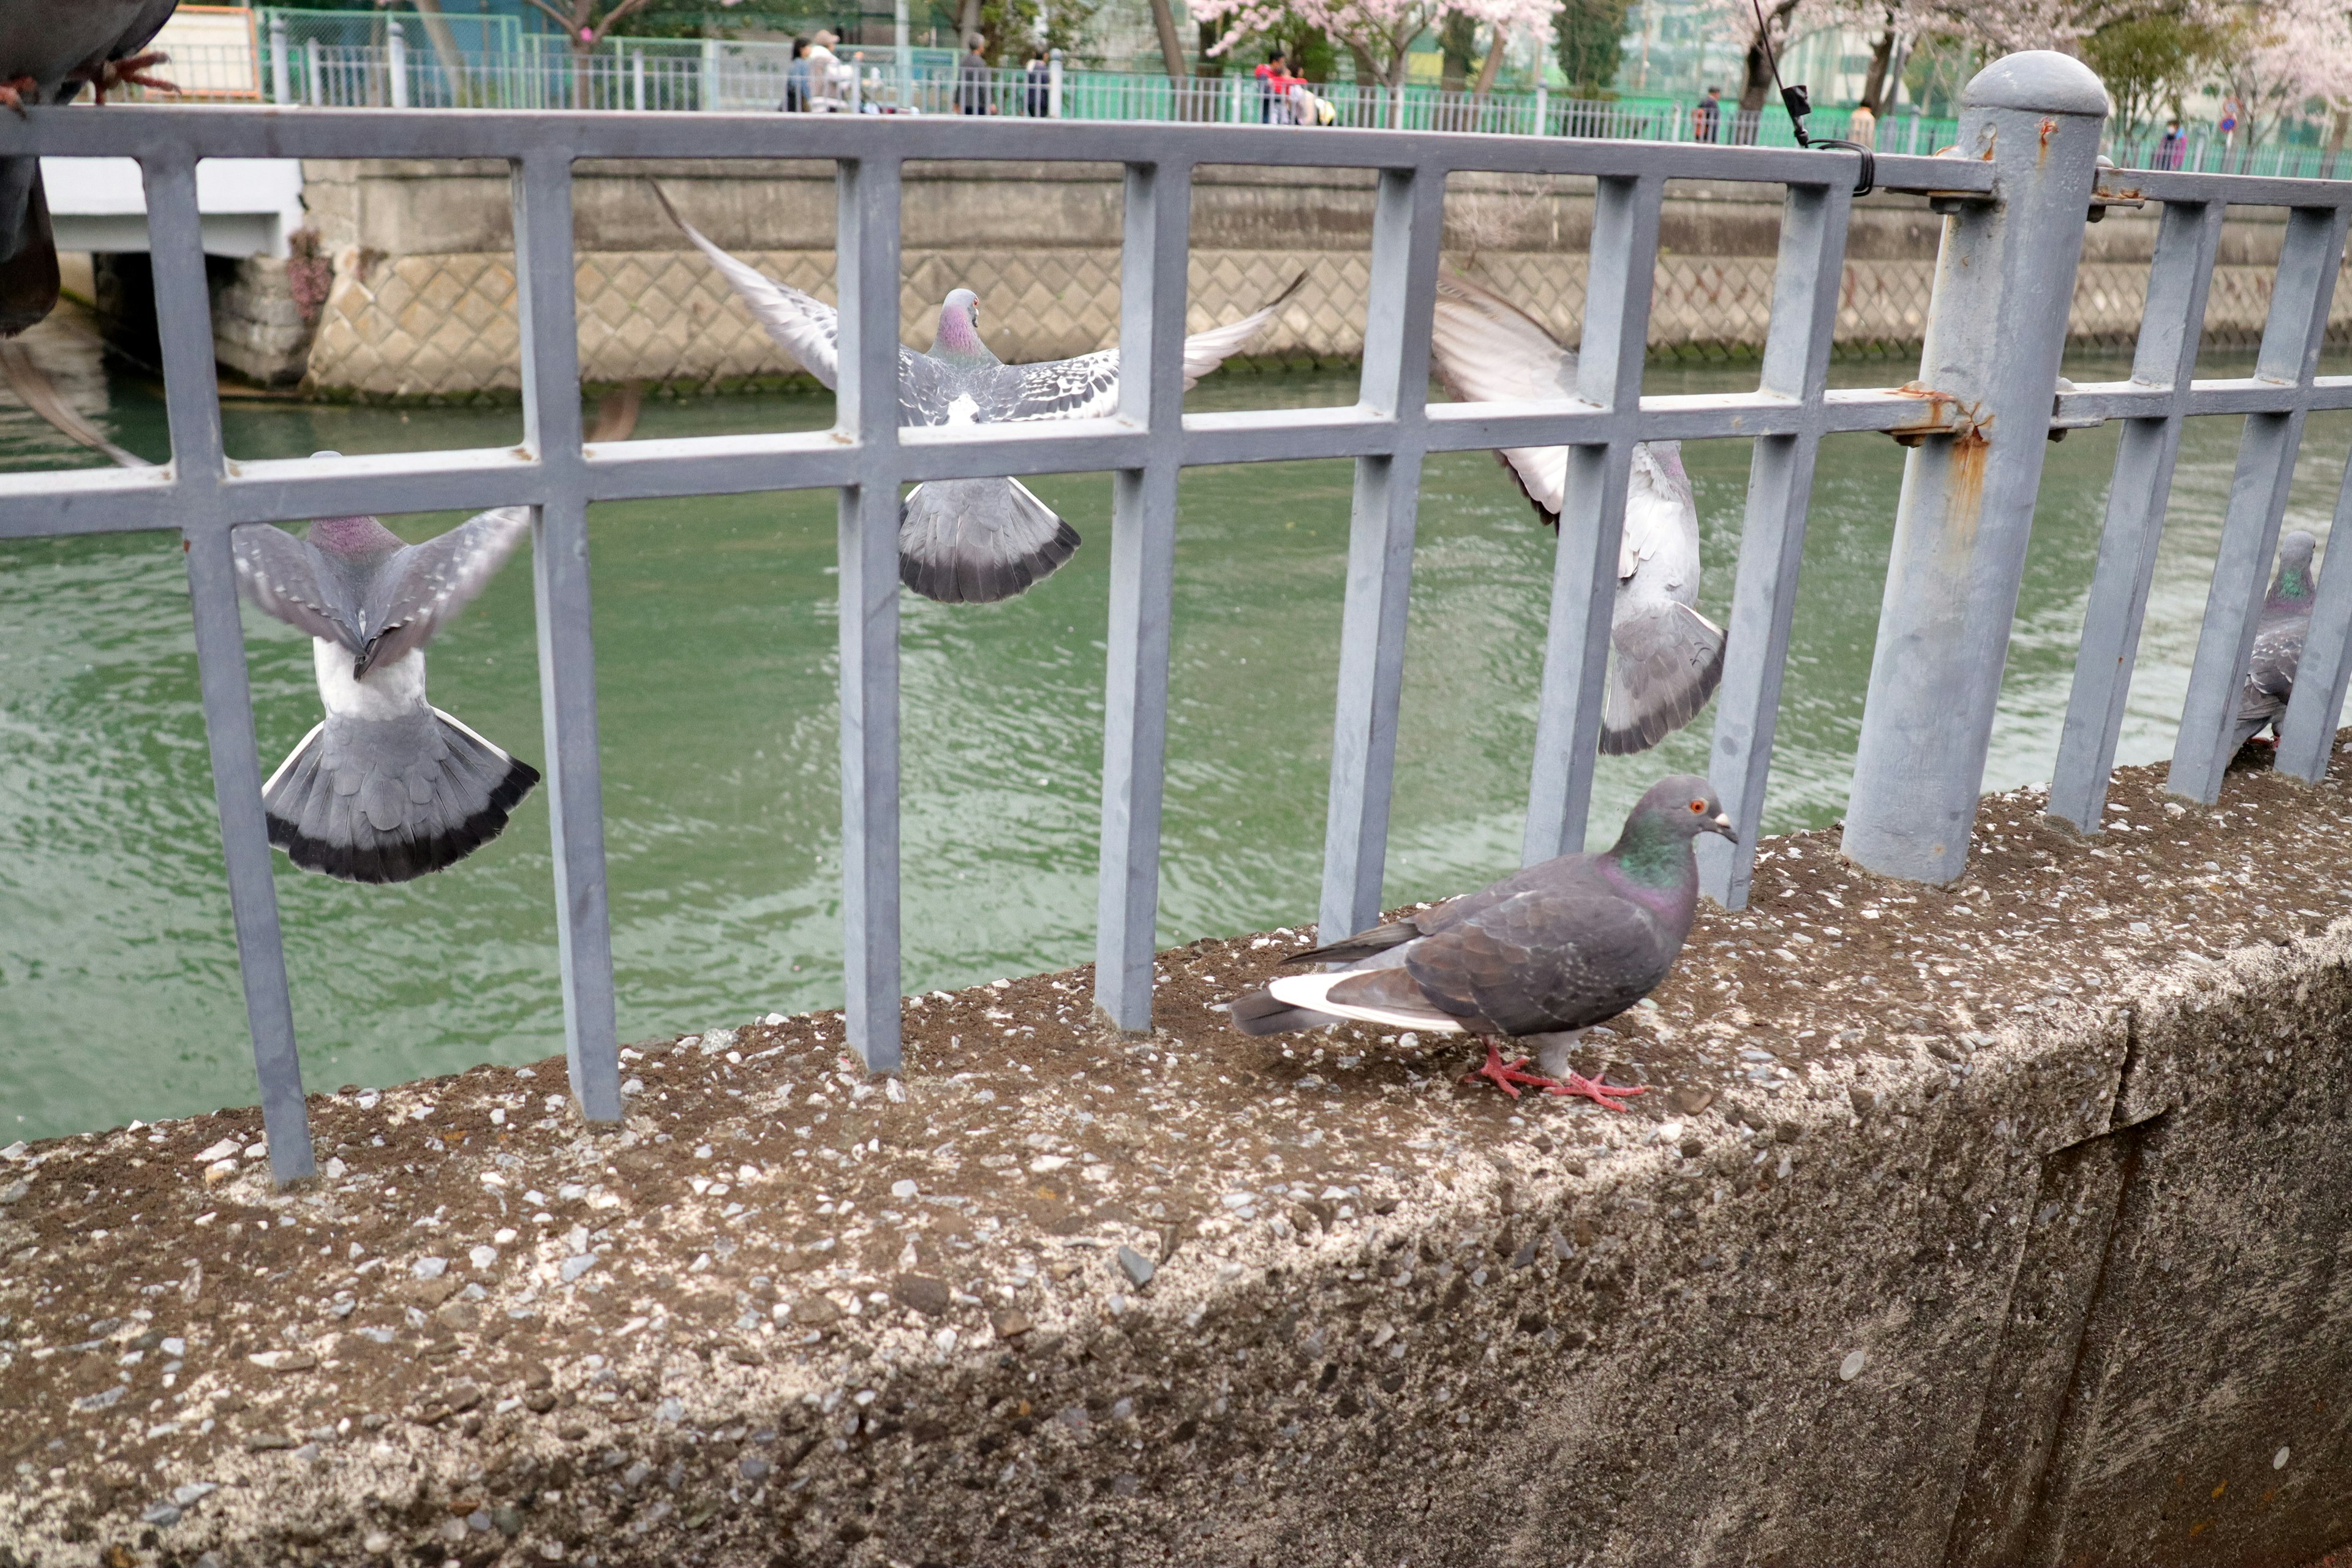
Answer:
(1378, 33)
(2283, 54)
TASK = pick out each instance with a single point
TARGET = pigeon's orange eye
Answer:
(1698, 806)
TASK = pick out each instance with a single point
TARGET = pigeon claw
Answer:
(1596, 1091)
(132, 73)
(12, 93)
(1504, 1074)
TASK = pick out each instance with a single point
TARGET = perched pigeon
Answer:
(1541, 956)
(1667, 657)
(388, 788)
(971, 540)
(47, 51)
(2278, 640)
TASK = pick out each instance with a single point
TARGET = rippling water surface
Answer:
(715, 628)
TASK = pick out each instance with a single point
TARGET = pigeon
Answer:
(1666, 658)
(387, 787)
(1541, 956)
(2278, 640)
(47, 52)
(970, 541)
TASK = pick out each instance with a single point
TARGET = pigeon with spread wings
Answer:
(1666, 658)
(387, 787)
(970, 541)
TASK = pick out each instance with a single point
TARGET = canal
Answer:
(715, 637)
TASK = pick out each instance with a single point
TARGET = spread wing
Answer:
(1656, 524)
(1486, 350)
(279, 575)
(1665, 663)
(424, 584)
(1086, 387)
(801, 325)
(1545, 959)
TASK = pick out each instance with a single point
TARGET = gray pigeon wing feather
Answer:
(2270, 678)
(280, 576)
(977, 541)
(801, 325)
(1086, 387)
(424, 585)
(1665, 664)
(1486, 350)
(1545, 959)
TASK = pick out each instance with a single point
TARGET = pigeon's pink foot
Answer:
(12, 93)
(1503, 1075)
(1598, 1092)
(133, 71)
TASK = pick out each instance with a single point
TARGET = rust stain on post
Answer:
(1964, 493)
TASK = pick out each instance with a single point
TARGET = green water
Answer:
(715, 637)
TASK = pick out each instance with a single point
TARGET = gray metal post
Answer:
(2292, 339)
(567, 649)
(395, 56)
(2004, 282)
(866, 404)
(184, 324)
(281, 69)
(2171, 326)
(1805, 290)
(1592, 515)
(1408, 218)
(313, 77)
(1153, 254)
(2308, 737)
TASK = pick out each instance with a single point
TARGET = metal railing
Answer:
(1976, 416)
(379, 62)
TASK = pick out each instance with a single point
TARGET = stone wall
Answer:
(2004, 1228)
(423, 297)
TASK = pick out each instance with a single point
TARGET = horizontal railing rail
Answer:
(1983, 398)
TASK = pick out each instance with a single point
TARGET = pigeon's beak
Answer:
(1722, 825)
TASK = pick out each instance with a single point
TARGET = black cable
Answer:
(1798, 106)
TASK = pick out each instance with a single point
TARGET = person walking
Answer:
(1273, 85)
(1037, 83)
(796, 79)
(1862, 128)
(972, 77)
(1709, 116)
(2167, 155)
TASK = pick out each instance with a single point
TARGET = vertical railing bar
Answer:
(2307, 737)
(2292, 340)
(1624, 258)
(1155, 250)
(541, 191)
(184, 331)
(866, 406)
(1408, 222)
(1808, 279)
(2172, 326)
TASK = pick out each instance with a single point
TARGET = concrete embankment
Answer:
(423, 298)
(1998, 1224)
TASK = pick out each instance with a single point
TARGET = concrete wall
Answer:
(423, 298)
(2005, 1229)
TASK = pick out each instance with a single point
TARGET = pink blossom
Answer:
(1384, 30)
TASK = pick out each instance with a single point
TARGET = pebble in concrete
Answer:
(1136, 1267)
(1851, 1368)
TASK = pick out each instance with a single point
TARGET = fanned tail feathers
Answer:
(976, 541)
(391, 800)
(1664, 664)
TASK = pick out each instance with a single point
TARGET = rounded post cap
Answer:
(2039, 81)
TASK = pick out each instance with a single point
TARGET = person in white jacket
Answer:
(829, 77)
